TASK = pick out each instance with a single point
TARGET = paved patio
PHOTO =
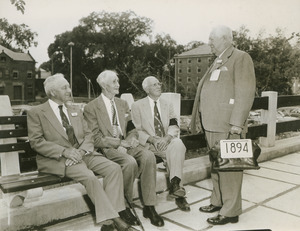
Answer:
(271, 201)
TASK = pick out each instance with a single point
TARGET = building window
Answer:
(179, 80)
(3, 59)
(30, 91)
(199, 60)
(179, 61)
(198, 78)
(189, 79)
(29, 74)
(198, 69)
(188, 89)
(179, 70)
(188, 70)
(15, 74)
(6, 73)
(189, 60)
(1, 74)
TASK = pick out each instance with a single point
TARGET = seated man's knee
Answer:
(130, 163)
(148, 157)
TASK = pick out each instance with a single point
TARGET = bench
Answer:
(19, 176)
(17, 185)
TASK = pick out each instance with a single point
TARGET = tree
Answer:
(19, 4)
(274, 59)
(103, 41)
(16, 37)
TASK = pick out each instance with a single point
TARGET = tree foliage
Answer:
(117, 41)
(19, 4)
(16, 37)
(276, 61)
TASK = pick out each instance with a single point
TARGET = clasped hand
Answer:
(161, 143)
(127, 144)
(73, 156)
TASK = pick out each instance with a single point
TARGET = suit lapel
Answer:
(148, 113)
(49, 114)
(121, 113)
(227, 54)
(103, 114)
(164, 113)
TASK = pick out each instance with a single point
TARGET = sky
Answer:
(183, 20)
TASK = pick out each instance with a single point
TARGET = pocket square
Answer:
(74, 114)
(223, 68)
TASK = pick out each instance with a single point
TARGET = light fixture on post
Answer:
(71, 44)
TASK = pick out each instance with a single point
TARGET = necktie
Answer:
(114, 119)
(67, 126)
(159, 129)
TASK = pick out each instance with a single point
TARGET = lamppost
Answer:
(71, 44)
(52, 59)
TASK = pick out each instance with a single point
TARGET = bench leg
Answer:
(17, 199)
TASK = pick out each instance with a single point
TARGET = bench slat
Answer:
(13, 120)
(13, 147)
(17, 183)
(13, 133)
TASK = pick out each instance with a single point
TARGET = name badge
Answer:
(215, 75)
(241, 148)
(74, 114)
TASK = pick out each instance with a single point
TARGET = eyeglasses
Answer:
(158, 84)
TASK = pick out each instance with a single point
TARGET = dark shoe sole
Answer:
(210, 211)
(232, 220)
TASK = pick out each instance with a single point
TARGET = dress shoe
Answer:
(128, 217)
(150, 212)
(210, 208)
(175, 189)
(122, 225)
(182, 204)
(222, 220)
(110, 227)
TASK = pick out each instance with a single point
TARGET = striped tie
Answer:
(159, 129)
(114, 119)
(67, 126)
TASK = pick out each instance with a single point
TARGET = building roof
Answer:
(17, 56)
(200, 50)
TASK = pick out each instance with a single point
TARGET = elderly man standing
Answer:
(223, 101)
(114, 133)
(156, 123)
(65, 147)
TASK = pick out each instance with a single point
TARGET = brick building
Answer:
(17, 76)
(190, 66)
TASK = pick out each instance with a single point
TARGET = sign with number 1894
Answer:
(241, 148)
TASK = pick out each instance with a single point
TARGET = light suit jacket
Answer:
(143, 120)
(49, 139)
(98, 120)
(228, 100)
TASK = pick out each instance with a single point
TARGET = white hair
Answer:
(223, 31)
(147, 81)
(104, 76)
(51, 83)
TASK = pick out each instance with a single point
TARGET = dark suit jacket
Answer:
(48, 137)
(228, 100)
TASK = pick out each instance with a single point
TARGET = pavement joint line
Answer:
(292, 214)
(179, 224)
(295, 165)
(271, 198)
(275, 169)
(282, 181)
